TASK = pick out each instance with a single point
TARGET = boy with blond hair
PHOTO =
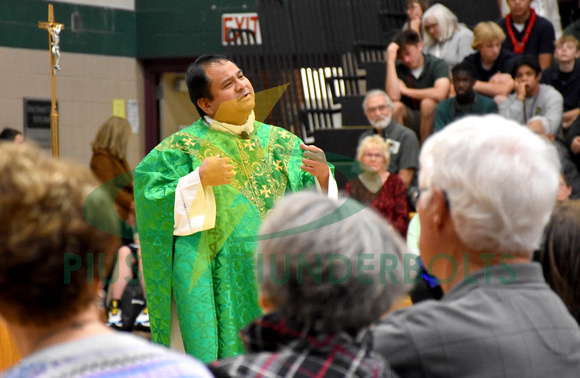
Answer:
(565, 76)
(493, 63)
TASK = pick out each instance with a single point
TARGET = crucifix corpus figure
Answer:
(54, 29)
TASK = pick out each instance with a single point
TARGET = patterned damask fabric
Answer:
(213, 276)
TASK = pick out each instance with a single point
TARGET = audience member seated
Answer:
(322, 287)
(532, 98)
(444, 37)
(482, 216)
(11, 135)
(466, 101)
(402, 141)
(528, 33)
(415, 10)
(540, 125)
(565, 77)
(546, 8)
(565, 190)
(49, 277)
(378, 187)
(415, 84)
(109, 164)
(559, 255)
(493, 63)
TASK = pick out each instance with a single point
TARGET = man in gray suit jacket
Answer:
(488, 187)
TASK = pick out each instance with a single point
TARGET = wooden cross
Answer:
(54, 29)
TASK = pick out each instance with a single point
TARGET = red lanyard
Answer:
(416, 103)
(520, 46)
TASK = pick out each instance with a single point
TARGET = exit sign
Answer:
(241, 29)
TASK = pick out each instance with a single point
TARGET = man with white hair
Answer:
(403, 143)
(488, 188)
(541, 126)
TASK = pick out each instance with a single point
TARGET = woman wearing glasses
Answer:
(376, 186)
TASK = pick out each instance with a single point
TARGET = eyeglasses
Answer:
(381, 108)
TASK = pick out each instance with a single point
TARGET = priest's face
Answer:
(233, 94)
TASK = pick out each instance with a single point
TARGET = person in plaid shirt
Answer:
(327, 270)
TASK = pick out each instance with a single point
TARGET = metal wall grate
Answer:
(319, 48)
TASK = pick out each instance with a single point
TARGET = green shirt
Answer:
(433, 69)
(449, 110)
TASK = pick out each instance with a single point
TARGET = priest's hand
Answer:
(314, 162)
(215, 171)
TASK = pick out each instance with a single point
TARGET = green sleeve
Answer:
(156, 178)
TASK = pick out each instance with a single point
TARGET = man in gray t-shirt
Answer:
(403, 143)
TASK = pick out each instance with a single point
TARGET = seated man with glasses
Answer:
(403, 143)
(490, 187)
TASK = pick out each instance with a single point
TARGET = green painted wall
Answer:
(157, 28)
(104, 31)
(183, 28)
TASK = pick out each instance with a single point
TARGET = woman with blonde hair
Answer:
(110, 160)
(444, 37)
(493, 63)
(377, 187)
(109, 164)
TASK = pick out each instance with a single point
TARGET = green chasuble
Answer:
(212, 273)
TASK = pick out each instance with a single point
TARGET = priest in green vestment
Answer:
(200, 197)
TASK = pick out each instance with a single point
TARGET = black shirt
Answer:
(541, 40)
(568, 84)
(502, 64)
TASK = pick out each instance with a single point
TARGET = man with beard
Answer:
(403, 143)
(466, 100)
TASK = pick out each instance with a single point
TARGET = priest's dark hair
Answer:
(197, 81)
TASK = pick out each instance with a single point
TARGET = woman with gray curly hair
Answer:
(327, 270)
